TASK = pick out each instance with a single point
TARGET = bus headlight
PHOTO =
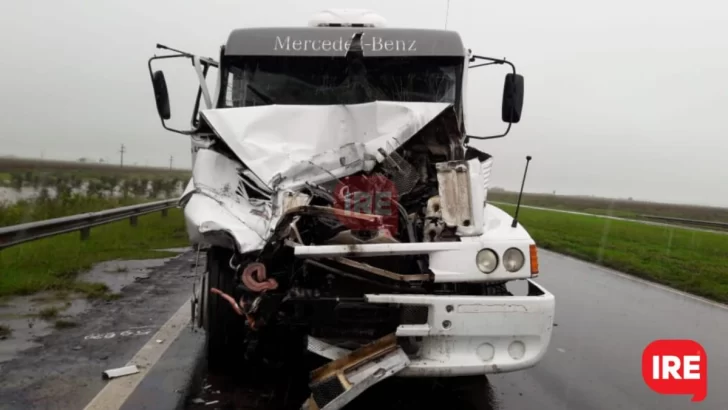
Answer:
(513, 259)
(487, 260)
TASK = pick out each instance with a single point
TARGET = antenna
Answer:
(171, 158)
(520, 194)
(447, 13)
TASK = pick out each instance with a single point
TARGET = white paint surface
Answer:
(115, 393)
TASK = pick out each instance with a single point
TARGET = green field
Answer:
(692, 261)
(53, 263)
(617, 207)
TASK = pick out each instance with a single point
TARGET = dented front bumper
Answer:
(469, 335)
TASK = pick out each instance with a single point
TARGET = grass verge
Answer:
(624, 208)
(53, 263)
(691, 261)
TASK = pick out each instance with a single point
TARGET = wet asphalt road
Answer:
(604, 322)
(64, 371)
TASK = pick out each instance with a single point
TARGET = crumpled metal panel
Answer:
(452, 178)
(461, 197)
(282, 147)
(213, 207)
(288, 145)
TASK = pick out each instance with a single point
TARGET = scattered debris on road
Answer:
(119, 372)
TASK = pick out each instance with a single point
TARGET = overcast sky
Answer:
(625, 98)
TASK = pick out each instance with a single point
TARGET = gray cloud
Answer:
(624, 98)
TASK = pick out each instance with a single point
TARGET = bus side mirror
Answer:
(512, 98)
(161, 95)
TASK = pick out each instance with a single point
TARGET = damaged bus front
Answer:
(344, 213)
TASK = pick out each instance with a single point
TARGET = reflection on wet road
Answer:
(603, 322)
(472, 393)
(33, 317)
(62, 369)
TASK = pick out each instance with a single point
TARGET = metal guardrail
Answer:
(31, 231)
(695, 222)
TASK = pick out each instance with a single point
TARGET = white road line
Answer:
(116, 391)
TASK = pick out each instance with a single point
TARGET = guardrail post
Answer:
(165, 211)
(133, 220)
(85, 233)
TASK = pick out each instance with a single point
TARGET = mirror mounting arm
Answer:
(201, 65)
(475, 137)
(151, 76)
(490, 61)
(205, 60)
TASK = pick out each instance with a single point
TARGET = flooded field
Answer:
(33, 190)
(147, 189)
(26, 319)
(29, 179)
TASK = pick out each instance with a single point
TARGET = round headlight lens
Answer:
(513, 260)
(487, 260)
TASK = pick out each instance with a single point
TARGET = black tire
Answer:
(225, 330)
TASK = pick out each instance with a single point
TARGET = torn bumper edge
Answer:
(470, 335)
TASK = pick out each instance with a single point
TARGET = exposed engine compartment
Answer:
(415, 194)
